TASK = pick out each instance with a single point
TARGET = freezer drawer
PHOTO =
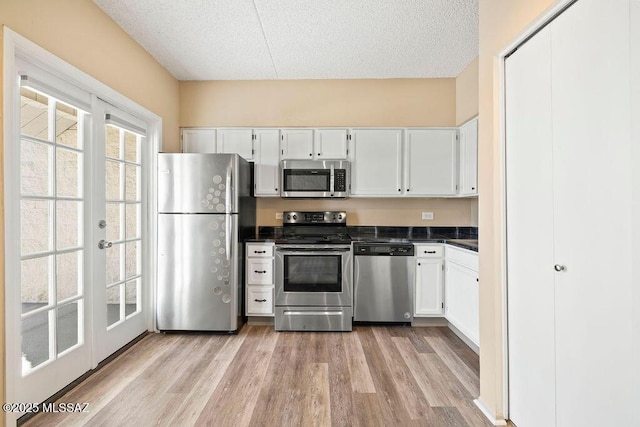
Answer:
(198, 277)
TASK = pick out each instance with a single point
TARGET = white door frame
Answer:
(500, 95)
(17, 47)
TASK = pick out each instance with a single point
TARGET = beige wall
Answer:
(500, 22)
(81, 34)
(392, 102)
(467, 93)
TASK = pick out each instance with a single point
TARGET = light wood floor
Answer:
(376, 375)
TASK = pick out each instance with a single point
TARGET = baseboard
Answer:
(259, 320)
(488, 414)
(429, 321)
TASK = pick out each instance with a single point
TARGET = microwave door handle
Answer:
(332, 179)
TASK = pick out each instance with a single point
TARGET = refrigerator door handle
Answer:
(229, 202)
(227, 235)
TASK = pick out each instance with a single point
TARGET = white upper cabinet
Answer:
(468, 181)
(330, 144)
(430, 162)
(238, 141)
(297, 144)
(267, 162)
(319, 144)
(376, 162)
(198, 140)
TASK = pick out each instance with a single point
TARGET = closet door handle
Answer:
(559, 267)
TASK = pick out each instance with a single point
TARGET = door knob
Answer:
(559, 267)
(103, 244)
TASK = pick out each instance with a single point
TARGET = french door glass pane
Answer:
(131, 297)
(67, 126)
(35, 340)
(68, 224)
(68, 167)
(35, 168)
(131, 147)
(35, 282)
(68, 275)
(113, 263)
(112, 142)
(68, 326)
(113, 305)
(132, 181)
(112, 180)
(34, 114)
(35, 227)
(114, 215)
(132, 259)
(133, 221)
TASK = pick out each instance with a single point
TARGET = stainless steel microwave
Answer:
(315, 179)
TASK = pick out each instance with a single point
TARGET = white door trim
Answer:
(17, 47)
(500, 95)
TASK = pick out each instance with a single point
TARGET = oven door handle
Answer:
(308, 250)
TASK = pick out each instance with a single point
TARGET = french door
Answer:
(76, 221)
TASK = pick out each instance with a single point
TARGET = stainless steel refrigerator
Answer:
(206, 209)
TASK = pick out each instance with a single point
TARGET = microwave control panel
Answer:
(340, 180)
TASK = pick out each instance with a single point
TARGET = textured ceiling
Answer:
(303, 39)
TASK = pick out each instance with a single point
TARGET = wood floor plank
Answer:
(388, 395)
(464, 374)
(317, 401)
(341, 395)
(466, 354)
(416, 339)
(375, 375)
(361, 381)
(414, 400)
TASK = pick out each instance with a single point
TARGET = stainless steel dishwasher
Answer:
(383, 282)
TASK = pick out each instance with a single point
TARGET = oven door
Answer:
(313, 275)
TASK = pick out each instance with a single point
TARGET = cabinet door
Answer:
(469, 159)
(462, 300)
(428, 300)
(376, 162)
(238, 141)
(267, 162)
(198, 140)
(297, 144)
(330, 144)
(431, 162)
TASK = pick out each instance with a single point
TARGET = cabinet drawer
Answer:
(263, 250)
(260, 300)
(260, 271)
(429, 251)
(463, 257)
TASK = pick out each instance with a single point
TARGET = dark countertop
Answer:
(463, 237)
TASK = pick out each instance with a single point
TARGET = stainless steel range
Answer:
(314, 289)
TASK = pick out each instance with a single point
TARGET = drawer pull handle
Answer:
(260, 300)
(259, 252)
(260, 271)
(429, 252)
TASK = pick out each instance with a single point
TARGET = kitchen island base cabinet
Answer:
(259, 274)
(462, 292)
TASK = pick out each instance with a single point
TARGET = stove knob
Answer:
(339, 216)
(295, 217)
(288, 216)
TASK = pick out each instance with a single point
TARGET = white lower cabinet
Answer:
(462, 292)
(259, 274)
(428, 281)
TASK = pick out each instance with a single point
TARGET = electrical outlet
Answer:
(278, 215)
(427, 215)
